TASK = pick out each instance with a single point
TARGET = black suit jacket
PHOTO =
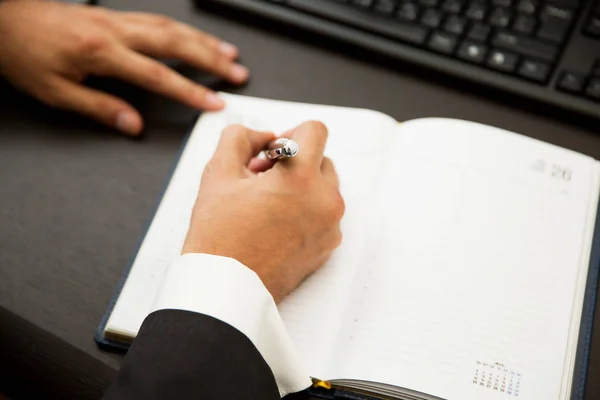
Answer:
(184, 355)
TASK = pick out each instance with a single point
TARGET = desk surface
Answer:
(75, 197)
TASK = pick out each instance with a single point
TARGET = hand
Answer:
(48, 49)
(282, 223)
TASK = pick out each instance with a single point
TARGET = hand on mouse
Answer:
(283, 223)
(49, 48)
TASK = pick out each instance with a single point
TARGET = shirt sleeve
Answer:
(225, 289)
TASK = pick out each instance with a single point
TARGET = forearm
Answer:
(213, 321)
(184, 355)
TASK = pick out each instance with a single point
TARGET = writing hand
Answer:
(282, 223)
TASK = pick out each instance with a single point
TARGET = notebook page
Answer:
(469, 277)
(355, 136)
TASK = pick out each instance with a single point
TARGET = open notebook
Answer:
(466, 271)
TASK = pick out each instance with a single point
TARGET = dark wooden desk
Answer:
(74, 198)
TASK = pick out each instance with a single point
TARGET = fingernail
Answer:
(212, 100)
(228, 49)
(239, 73)
(128, 122)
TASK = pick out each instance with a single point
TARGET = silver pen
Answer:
(281, 148)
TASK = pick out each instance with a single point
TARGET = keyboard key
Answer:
(385, 7)
(502, 3)
(557, 11)
(555, 23)
(429, 3)
(556, 33)
(479, 32)
(524, 24)
(593, 89)
(500, 17)
(455, 24)
(442, 42)
(592, 27)
(472, 51)
(404, 32)
(528, 6)
(525, 45)
(537, 71)
(431, 18)
(452, 6)
(408, 11)
(553, 30)
(571, 82)
(502, 60)
(477, 10)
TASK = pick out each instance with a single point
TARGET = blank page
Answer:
(472, 264)
(313, 312)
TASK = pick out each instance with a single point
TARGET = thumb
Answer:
(102, 107)
(238, 145)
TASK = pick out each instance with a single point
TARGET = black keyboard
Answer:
(542, 50)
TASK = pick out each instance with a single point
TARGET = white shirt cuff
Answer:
(229, 291)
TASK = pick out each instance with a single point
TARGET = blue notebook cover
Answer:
(583, 343)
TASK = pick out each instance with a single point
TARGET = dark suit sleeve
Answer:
(185, 355)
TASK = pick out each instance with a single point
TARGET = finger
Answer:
(157, 21)
(166, 38)
(311, 137)
(329, 173)
(104, 108)
(258, 164)
(154, 76)
(238, 145)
